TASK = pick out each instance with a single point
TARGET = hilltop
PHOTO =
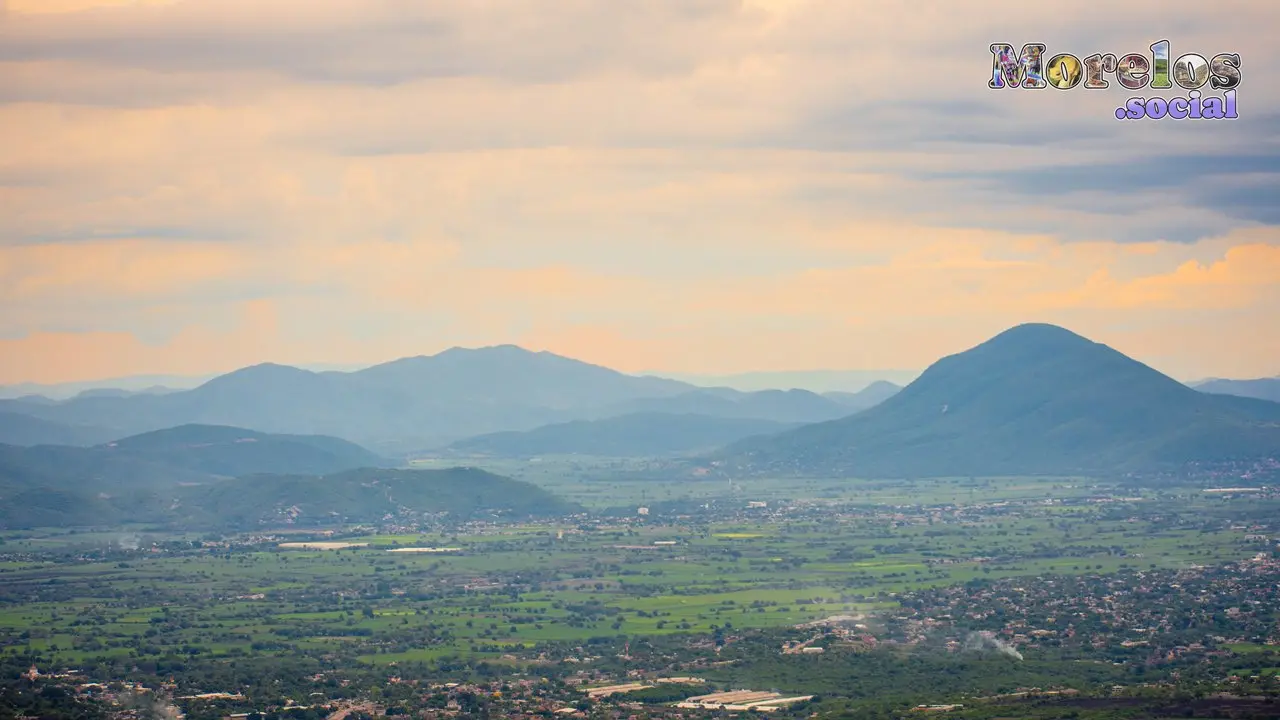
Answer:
(1035, 399)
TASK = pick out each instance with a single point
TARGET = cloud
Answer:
(1224, 191)
(58, 356)
(1245, 275)
(46, 7)
(64, 82)
(122, 267)
(379, 42)
(933, 293)
(707, 185)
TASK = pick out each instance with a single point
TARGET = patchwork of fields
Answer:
(516, 587)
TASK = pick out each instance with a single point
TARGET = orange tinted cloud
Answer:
(713, 186)
(127, 267)
(50, 357)
(40, 7)
(1244, 275)
(926, 301)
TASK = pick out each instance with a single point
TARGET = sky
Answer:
(691, 186)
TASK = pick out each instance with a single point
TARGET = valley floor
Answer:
(972, 593)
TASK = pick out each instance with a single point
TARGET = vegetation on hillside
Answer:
(231, 451)
(360, 495)
(366, 495)
(1036, 399)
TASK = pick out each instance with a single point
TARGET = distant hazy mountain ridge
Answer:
(634, 435)
(413, 403)
(1262, 388)
(818, 381)
(1036, 399)
(868, 397)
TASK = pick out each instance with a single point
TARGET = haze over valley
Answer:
(1036, 400)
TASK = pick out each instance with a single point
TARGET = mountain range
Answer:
(1035, 400)
(409, 404)
(120, 386)
(1262, 388)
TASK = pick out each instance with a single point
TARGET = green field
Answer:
(518, 586)
(600, 483)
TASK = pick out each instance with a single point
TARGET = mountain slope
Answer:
(189, 454)
(365, 495)
(59, 486)
(1262, 388)
(362, 495)
(136, 479)
(634, 435)
(1036, 399)
(21, 429)
(230, 451)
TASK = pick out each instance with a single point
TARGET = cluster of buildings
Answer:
(1148, 615)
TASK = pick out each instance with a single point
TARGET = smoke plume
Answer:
(986, 640)
(149, 707)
